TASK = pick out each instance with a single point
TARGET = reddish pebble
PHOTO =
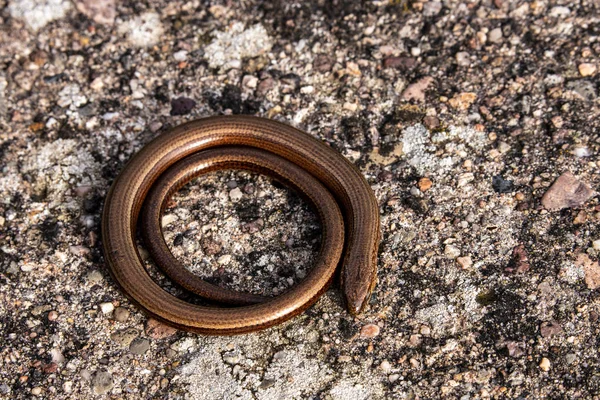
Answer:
(550, 328)
(158, 330)
(50, 368)
(566, 192)
(369, 331)
(520, 260)
(52, 316)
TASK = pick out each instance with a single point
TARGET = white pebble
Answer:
(181, 55)
(582, 151)
(107, 308)
(169, 219)
(463, 58)
(495, 35)
(559, 11)
(27, 267)
(57, 356)
(250, 81)
(235, 194)
(224, 259)
(452, 251)
(385, 366)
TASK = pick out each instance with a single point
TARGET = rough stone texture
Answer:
(38, 13)
(102, 382)
(482, 291)
(566, 192)
(100, 11)
(144, 30)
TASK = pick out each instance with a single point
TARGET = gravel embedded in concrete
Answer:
(463, 117)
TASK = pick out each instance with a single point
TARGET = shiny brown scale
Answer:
(318, 172)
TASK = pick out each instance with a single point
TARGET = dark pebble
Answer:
(502, 185)
(520, 260)
(267, 383)
(385, 176)
(182, 106)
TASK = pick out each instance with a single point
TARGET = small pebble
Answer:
(181, 55)
(52, 316)
(121, 314)
(36, 391)
(57, 356)
(414, 340)
(566, 192)
(462, 101)
(596, 245)
(432, 8)
(559, 12)
(582, 151)
(401, 63)
(50, 368)
(27, 267)
(550, 328)
(416, 91)
(580, 218)
(431, 122)
(587, 69)
(464, 262)
(425, 184)
(235, 194)
(495, 35)
(545, 364)
(158, 330)
(501, 185)
(125, 336)
(182, 106)
(369, 331)
(168, 219)
(139, 346)
(591, 270)
(463, 58)
(224, 259)
(232, 357)
(385, 366)
(451, 251)
(102, 382)
(107, 308)
(210, 247)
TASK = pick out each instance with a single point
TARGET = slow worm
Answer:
(317, 171)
